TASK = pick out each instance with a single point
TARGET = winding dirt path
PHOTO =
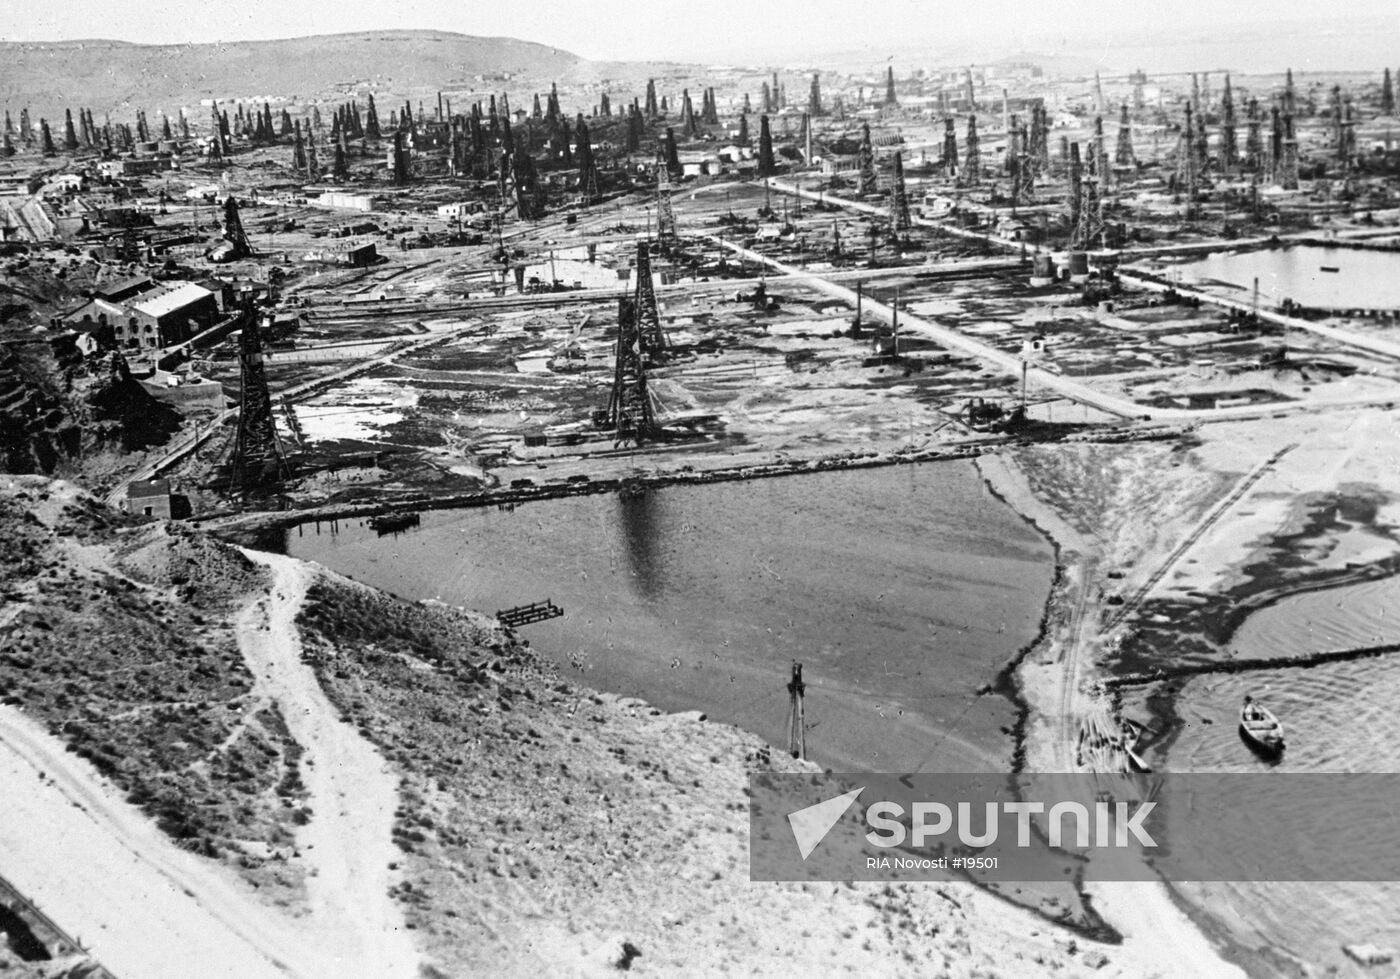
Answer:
(347, 845)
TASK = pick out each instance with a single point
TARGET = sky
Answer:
(696, 30)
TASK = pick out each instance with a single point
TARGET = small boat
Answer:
(1260, 727)
(393, 523)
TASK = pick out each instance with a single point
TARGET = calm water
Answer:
(902, 590)
(1338, 718)
(1363, 280)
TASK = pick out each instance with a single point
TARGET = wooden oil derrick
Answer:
(1229, 140)
(655, 341)
(971, 174)
(1276, 144)
(1288, 170)
(899, 198)
(1039, 148)
(630, 413)
(950, 148)
(1253, 140)
(587, 166)
(1188, 168)
(258, 462)
(665, 213)
(233, 230)
(797, 713)
(1123, 155)
(1089, 229)
(865, 161)
(1102, 170)
(1076, 183)
(1022, 170)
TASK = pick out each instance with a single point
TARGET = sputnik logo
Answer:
(810, 825)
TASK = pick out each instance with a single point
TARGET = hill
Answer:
(114, 75)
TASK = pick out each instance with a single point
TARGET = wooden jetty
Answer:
(526, 614)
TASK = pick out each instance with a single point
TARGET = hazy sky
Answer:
(703, 30)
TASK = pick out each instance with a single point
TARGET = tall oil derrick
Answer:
(219, 149)
(529, 195)
(1200, 145)
(671, 159)
(712, 112)
(971, 174)
(1195, 102)
(899, 198)
(814, 98)
(399, 158)
(1074, 192)
(313, 165)
(889, 87)
(1347, 148)
(743, 138)
(650, 107)
(1229, 139)
(70, 133)
(1288, 171)
(1276, 144)
(630, 413)
(1089, 229)
(1040, 141)
(950, 148)
(654, 339)
(587, 166)
(1023, 176)
(340, 164)
(1099, 103)
(1103, 173)
(1187, 171)
(1253, 141)
(1290, 95)
(971, 99)
(687, 114)
(665, 213)
(7, 145)
(233, 230)
(298, 148)
(865, 162)
(257, 455)
(767, 166)
(1123, 155)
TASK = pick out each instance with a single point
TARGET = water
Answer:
(1338, 718)
(1363, 280)
(903, 591)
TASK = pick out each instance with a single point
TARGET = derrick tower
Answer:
(233, 230)
(950, 148)
(1123, 155)
(865, 158)
(972, 164)
(665, 214)
(1089, 229)
(1022, 169)
(631, 411)
(1229, 148)
(899, 199)
(1288, 170)
(1076, 184)
(257, 455)
(1102, 171)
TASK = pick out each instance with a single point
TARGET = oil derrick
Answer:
(767, 98)
(814, 98)
(743, 138)
(950, 148)
(1139, 80)
(1089, 229)
(399, 158)
(1075, 188)
(552, 112)
(372, 119)
(1023, 171)
(166, 132)
(1102, 171)
(1039, 148)
(529, 195)
(1275, 143)
(340, 163)
(665, 213)
(865, 160)
(1253, 142)
(233, 230)
(184, 123)
(1201, 144)
(648, 319)
(889, 87)
(971, 99)
(46, 139)
(971, 174)
(26, 130)
(1229, 148)
(605, 106)
(713, 117)
(687, 113)
(671, 159)
(257, 455)
(1387, 95)
(286, 129)
(143, 132)
(650, 110)
(1099, 103)
(630, 413)
(1123, 156)
(70, 134)
(1288, 170)
(7, 145)
(635, 127)
(313, 165)
(220, 146)
(1187, 171)
(298, 148)
(766, 164)
(587, 166)
(1195, 102)
(1290, 95)
(899, 198)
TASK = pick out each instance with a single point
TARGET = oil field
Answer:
(878, 415)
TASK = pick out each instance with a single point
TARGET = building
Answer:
(344, 202)
(149, 498)
(32, 219)
(169, 315)
(459, 210)
(353, 253)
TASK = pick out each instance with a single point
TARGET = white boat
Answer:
(1260, 727)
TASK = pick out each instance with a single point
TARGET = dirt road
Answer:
(347, 844)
